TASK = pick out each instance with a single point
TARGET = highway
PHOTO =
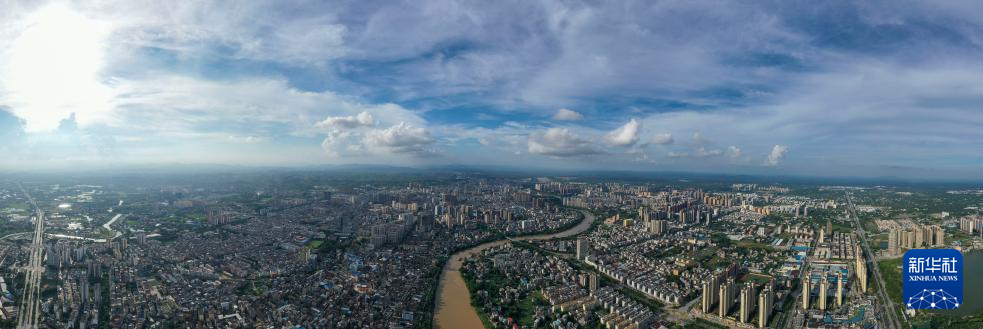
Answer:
(30, 312)
(887, 306)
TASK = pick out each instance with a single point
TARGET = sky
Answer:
(838, 88)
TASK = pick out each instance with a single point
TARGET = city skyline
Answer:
(873, 89)
(319, 249)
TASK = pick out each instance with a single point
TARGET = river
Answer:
(454, 308)
(107, 225)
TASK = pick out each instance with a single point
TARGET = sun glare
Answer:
(53, 68)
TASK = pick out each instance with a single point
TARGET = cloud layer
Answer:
(853, 88)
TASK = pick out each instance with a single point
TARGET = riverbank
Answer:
(453, 305)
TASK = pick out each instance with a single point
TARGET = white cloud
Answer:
(53, 51)
(363, 119)
(606, 49)
(663, 139)
(733, 152)
(625, 135)
(777, 154)
(559, 142)
(697, 153)
(258, 30)
(567, 115)
(342, 143)
(706, 153)
(182, 104)
(246, 139)
(698, 139)
(401, 138)
(676, 154)
(190, 114)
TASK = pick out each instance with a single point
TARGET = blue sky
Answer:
(873, 88)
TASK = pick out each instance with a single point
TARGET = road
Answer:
(30, 310)
(887, 306)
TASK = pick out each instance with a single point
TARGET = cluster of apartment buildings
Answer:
(754, 308)
(914, 237)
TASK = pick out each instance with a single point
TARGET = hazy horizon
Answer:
(864, 90)
(184, 170)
